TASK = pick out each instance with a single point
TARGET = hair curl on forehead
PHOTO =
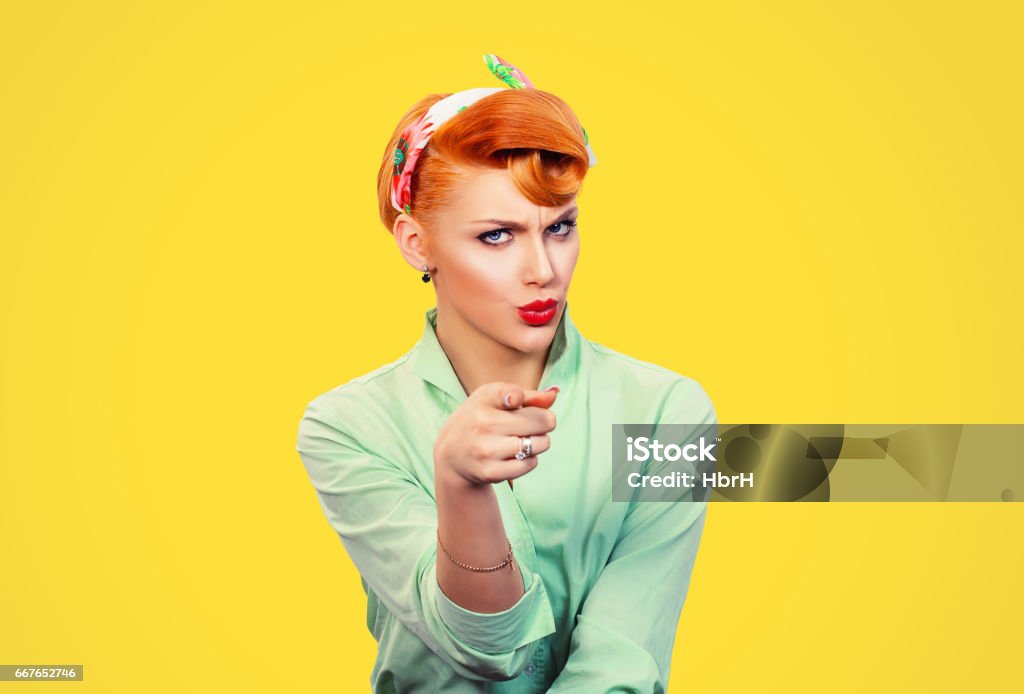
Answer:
(531, 133)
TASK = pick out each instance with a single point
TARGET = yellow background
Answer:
(814, 209)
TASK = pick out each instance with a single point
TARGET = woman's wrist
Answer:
(445, 475)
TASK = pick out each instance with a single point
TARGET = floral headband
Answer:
(415, 137)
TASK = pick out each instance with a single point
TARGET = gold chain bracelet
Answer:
(508, 559)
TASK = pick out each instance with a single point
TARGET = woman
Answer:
(470, 481)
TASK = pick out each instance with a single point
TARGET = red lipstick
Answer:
(538, 312)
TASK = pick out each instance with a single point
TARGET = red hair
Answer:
(532, 133)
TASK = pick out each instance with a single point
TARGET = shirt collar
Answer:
(432, 363)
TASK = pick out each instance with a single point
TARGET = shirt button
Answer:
(529, 669)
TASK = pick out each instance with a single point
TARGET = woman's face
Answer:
(495, 252)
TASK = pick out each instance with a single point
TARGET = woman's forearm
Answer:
(470, 527)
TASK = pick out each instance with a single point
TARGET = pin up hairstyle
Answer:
(531, 133)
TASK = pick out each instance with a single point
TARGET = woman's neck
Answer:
(479, 359)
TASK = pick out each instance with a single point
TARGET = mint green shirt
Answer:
(604, 581)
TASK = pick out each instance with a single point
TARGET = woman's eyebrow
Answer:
(516, 226)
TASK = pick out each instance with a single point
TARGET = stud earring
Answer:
(426, 274)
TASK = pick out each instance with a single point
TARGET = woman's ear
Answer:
(412, 241)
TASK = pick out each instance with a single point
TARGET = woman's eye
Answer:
(567, 227)
(492, 238)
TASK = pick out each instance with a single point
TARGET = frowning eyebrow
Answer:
(516, 226)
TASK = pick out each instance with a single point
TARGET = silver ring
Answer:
(525, 448)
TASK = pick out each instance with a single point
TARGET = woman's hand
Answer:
(478, 443)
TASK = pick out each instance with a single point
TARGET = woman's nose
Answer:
(538, 265)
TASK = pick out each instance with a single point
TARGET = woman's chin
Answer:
(533, 338)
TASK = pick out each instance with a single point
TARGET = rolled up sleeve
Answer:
(387, 522)
(626, 628)
(501, 632)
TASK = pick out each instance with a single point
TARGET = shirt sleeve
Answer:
(626, 627)
(387, 522)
